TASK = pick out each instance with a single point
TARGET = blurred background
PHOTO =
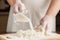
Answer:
(4, 13)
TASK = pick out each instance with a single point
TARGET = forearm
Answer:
(11, 2)
(53, 8)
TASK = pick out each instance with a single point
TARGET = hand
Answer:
(17, 9)
(11, 2)
(43, 24)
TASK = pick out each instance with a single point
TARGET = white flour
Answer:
(30, 35)
(20, 16)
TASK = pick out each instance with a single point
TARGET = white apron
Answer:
(37, 9)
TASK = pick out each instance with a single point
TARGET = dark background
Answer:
(58, 22)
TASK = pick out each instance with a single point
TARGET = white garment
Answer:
(37, 9)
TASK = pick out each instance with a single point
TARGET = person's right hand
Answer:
(11, 2)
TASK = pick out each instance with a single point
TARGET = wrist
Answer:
(46, 17)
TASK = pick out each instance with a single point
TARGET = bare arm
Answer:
(51, 13)
(54, 8)
(11, 2)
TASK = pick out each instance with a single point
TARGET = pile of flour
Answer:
(30, 35)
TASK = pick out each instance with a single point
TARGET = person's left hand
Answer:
(43, 24)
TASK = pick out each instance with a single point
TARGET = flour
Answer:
(30, 35)
(20, 15)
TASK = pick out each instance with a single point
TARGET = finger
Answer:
(19, 8)
(37, 30)
(46, 28)
(41, 21)
(14, 11)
